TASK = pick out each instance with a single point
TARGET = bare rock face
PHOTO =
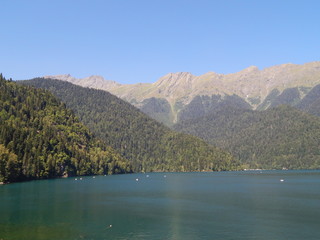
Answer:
(174, 80)
(174, 85)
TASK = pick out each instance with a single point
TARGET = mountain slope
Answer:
(282, 137)
(201, 106)
(159, 109)
(311, 102)
(179, 89)
(41, 138)
(149, 145)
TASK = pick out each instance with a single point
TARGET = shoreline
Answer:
(242, 170)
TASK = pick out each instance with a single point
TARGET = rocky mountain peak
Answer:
(96, 77)
(251, 69)
(246, 72)
(175, 79)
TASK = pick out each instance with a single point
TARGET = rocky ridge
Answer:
(179, 89)
(94, 81)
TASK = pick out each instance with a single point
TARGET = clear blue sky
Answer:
(132, 41)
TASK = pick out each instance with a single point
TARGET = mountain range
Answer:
(251, 119)
(146, 143)
(170, 98)
(254, 118)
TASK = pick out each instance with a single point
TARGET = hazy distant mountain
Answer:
(261, 89)
(94, 81)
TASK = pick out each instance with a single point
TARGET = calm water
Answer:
(228, 205)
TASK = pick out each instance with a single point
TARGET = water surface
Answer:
(216, 205)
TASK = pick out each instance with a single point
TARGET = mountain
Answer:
(311, 102)
(94, 81)
(201, 106)
(258, 88)
(149, 145)
(158, 109)
(40, 138)
(281, 137)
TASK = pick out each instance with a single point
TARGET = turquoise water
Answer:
(224, 205)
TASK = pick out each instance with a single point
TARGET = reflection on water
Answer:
(227, 205)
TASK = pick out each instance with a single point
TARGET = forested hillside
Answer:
(201, 106)
(41, 138)
(158, 109)
(149, 145)
(311, 102)
(282, 137)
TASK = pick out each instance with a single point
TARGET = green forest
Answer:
(146, 143)
(40, 138)
(277, 138)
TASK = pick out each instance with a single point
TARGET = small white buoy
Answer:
(165, 176)
(137, 179)
(281, 180)
(76, 179)
(93, 177)
(81, 178)
(147, 175)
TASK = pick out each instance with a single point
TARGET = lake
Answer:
(216, 205)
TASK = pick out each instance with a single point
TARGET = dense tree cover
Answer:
(201, 106)
(41, 138)
(277, 138)
(311, 102)
(159, 109)
(289, 96)
(149, 145)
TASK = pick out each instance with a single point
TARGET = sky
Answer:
(131, 41)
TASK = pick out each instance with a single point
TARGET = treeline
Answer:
(149, 145)
(282, 137)
(40, 138)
